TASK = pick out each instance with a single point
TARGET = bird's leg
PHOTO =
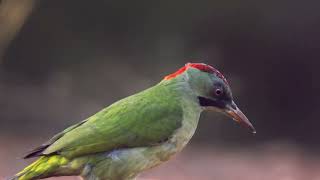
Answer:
(87, 173)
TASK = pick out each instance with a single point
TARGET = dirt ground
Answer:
(275, 161)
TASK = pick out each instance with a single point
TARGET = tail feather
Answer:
(36, 152)
(43, 167)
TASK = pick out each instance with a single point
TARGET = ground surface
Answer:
(275, 161)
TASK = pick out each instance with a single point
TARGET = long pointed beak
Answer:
(235, 113)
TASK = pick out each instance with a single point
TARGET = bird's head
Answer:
(212, 90)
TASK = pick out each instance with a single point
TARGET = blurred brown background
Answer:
(61, 61)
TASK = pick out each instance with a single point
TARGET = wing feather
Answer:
(143, 119)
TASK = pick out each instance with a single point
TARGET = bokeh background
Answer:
(61, 61)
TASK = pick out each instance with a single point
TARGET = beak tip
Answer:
(236, 114)
(253, 130)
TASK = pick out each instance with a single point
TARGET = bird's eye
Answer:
(218, 92)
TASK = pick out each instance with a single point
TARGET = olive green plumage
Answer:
(124, 124)
(138, 132)
(43, 167)
(127, 123)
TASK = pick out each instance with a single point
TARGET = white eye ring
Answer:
(218, 92)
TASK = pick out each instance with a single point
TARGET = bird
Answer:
(138, 132)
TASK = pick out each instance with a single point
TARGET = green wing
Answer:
(38, 151)
(143, 119)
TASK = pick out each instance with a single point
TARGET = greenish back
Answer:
(144, 119)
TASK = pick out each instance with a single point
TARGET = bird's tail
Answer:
(43, 167)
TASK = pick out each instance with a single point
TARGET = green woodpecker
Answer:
(138, 132)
